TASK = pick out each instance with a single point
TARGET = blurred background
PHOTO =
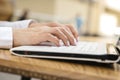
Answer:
(90, 17)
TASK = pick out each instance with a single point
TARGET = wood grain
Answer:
(54, 70)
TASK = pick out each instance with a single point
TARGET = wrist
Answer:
(17, 37)
(32, 24)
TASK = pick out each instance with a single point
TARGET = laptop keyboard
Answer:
(81, 48)
(90, 46)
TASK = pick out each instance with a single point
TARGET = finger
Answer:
(58, 33)
(66, 27)
(53, 39)
(69, 36)
(74, 31)
(53, 24)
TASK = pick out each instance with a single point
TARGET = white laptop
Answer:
(84, 51)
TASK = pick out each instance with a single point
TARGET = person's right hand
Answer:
(34, 36)
(70, 28)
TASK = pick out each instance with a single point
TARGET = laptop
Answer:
(83, 51)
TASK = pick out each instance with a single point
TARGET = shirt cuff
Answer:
(6, 38)
(22, 24)
(16, 24)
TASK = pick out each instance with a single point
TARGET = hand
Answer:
(34, 36)
(72, 30)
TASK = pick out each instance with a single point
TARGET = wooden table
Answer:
(55, 70)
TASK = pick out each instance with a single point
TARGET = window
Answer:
(108, 23)
(113, 4)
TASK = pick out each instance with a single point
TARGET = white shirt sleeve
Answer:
(6, 38)
(16, 24)
(6, 35)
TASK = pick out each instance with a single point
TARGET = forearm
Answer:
(6, 32)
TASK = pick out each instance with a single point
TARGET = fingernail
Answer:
(78, 39)
(61, 43)
(68, 44)
(75, 42)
